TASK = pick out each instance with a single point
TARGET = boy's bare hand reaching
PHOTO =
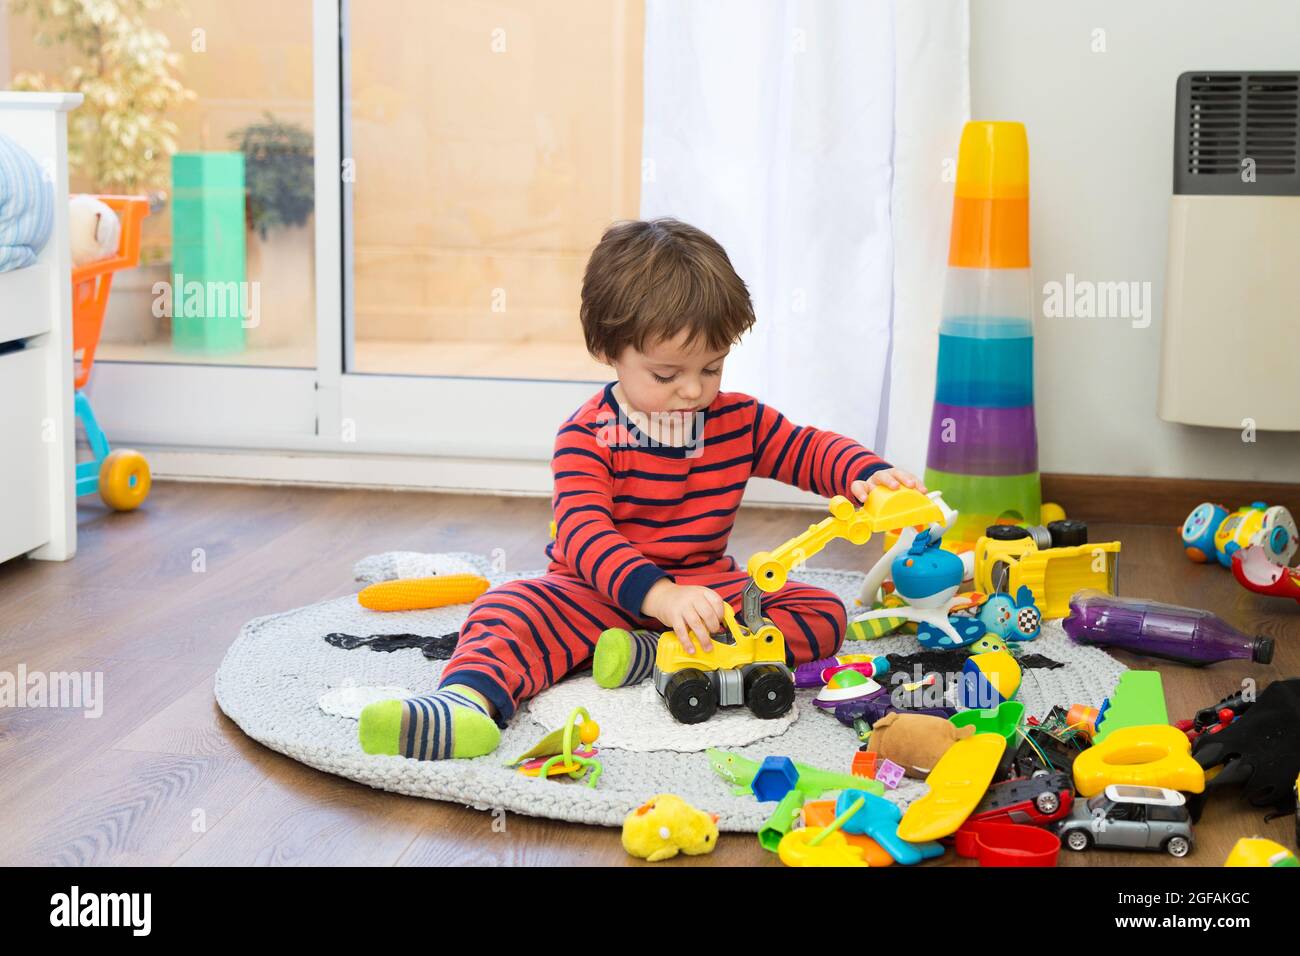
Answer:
(892, 478)
(686, 608)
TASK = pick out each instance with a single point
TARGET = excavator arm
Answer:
(885, 510)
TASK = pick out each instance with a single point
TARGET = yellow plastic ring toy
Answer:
(1156, 755)
(124, 479)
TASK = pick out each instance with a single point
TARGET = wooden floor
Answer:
(154, 598)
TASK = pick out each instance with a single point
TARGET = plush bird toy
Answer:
(666, 824)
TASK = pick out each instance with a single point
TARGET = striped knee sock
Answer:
(453, 722)
(623, 657)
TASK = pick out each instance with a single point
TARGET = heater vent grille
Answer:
(1237, 134)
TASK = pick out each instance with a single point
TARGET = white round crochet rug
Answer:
(295, 682)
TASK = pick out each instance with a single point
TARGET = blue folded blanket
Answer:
(26, 206)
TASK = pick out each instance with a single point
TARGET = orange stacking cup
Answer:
(990, 206)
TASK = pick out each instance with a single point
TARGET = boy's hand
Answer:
(891, 478)
(686, 608)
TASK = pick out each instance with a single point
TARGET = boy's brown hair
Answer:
(646, 281)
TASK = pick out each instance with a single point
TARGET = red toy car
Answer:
(1036, 801)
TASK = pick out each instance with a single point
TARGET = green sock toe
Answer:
(623, 658)
(474, 734)
(610, 660)
(380, 728)
(450, 723)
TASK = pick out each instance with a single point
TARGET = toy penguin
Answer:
(666, 824)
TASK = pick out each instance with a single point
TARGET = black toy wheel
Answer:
(691, 696)
(1177, 846)
(1006, 532)
(769, 691)
(1067, 533)
(1048, 802)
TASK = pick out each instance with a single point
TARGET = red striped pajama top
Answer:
(629, 511)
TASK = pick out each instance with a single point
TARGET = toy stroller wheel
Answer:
(124, 479)
(691, 696)
(1077, 840)
(1047, 803)
(1177, 846)
(769, 691)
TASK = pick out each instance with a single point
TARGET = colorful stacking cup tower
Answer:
(983, 444)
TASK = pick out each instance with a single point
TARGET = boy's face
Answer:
(669, 377)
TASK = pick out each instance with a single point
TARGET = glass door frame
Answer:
(327, 409)
(420, 414)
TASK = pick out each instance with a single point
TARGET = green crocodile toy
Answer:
(812, 783)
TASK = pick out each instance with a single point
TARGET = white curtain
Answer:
(809, 138)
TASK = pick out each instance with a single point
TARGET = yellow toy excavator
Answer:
(747, 664)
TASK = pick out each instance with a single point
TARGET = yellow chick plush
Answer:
(666, 824)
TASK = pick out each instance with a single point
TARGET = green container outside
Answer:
(209, 288)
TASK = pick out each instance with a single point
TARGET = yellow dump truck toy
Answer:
(747, 664)
(1053, 562)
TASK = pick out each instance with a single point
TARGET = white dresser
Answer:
(37, 427)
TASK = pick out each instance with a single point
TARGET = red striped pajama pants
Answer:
(523, 636)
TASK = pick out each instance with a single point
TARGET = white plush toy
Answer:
(94, 228)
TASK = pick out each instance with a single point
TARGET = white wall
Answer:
(1100, 130)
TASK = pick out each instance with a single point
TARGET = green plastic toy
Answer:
(1003, 719)
(1138, 700)
(557, 753)
(781, 821)
(812, 783)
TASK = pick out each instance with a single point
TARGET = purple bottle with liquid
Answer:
(1160, 630)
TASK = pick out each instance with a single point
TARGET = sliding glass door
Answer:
(369, 220)
(486, 147)
(491, 144)
(212, 338)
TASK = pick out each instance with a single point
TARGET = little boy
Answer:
(649, 473)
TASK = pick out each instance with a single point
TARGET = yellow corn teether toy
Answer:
(418, 594)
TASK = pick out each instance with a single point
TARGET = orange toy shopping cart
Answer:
(121, 477)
